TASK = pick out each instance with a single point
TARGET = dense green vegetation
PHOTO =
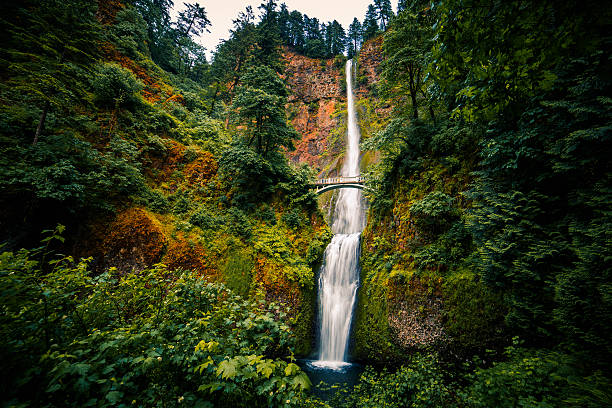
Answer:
(492, 205)
(114, 124)
(156, 338)
(191, 244)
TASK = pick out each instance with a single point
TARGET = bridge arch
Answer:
(330, 187)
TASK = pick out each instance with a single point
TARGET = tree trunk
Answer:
(41, 122)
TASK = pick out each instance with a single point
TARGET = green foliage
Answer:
(115, 87)
(156, 201)
(237, 271)
(514, 130)
(372, 335)
(293, 218)
(474, 312)
(536, 379)
(418, 384)
(157, 338)
(206, 219)
(129, 33)
(433, 212)
(260, 107)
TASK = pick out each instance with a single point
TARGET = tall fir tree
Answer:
(370, 23)
(384, 12)
(354, 37)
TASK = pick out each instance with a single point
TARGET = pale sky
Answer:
(222, 12)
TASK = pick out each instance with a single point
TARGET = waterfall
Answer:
(339, 277)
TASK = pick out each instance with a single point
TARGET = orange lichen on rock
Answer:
(190, 257)
(315, 127)
(370, 58)
(201, 170)
(162, 166)
(134, 241)
(315, 92)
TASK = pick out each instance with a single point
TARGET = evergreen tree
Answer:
(296, 30)
(384, 12)
(192, 20)
(232, 55)
(284, 25)
(260, 107)
(370, 23)
(354, 37)
(162, 35)
(268, 37)
(406, 46)
(314, 44)
(338, 38)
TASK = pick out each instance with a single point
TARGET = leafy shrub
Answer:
(239, 223)
(419, 384)
(181, 203)
(115, 86)
(293, 218)
(156, 201)
(266, 214)
(527, 379)
(205, 219)
(129, 32)
(157, 338)
(433, 212)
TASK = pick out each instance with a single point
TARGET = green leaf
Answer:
(266, 368)
(114, 396)
(227, 369)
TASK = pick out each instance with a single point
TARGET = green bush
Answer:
(156, 201)
(418, 384)
(474, 313)
(266, 214)
(152, 339)
(433, 212)
(527, 379)
(115, 86)
(293, 218)
(206, 219)
(239, 223)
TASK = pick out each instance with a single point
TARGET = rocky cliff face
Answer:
(316, 93)
(369, 60)
(317, 103)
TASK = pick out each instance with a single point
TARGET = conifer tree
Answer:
(193, 20)
(296, 30)
(260, 107)
(354, 37)
(338, 38)
(370, 23)
(384, 12)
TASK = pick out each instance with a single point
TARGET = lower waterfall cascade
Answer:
(339, 275)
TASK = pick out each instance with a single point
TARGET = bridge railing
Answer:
(339, 180)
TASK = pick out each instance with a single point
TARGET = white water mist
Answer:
(339, 278)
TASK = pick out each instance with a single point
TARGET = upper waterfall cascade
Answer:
(339, 277)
